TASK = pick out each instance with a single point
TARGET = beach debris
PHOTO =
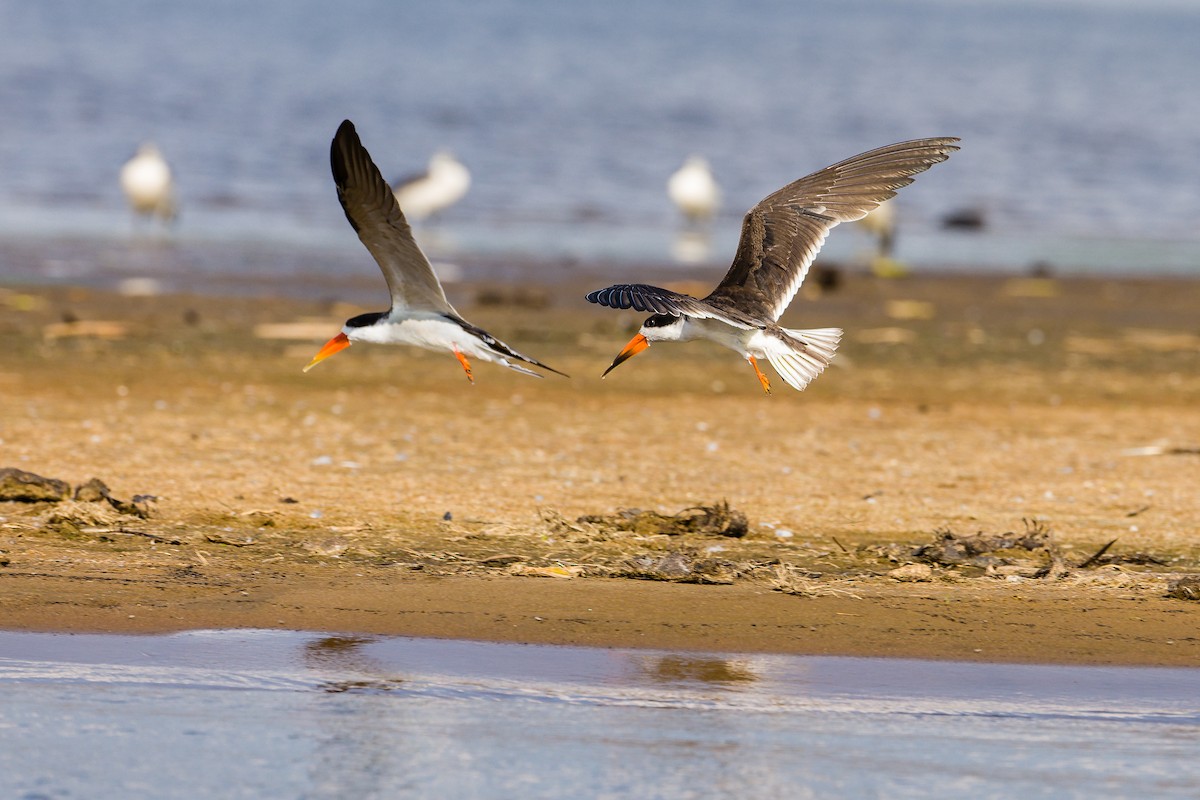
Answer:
(333, 547)
(501, 560)
(553, 571)
(1095, 557)
(912, 573)
(73, 518)
(800, 582)
(215, 539)
(714, 520)
(17, 485)
(981, 549)
(95, 491)
(1187, 588)
(678, 566)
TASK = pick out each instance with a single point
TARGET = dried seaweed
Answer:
(714, 520)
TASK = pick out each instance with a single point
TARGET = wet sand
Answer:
(382, 493)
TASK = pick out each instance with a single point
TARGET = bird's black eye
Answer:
(652, 323)
(659, 320)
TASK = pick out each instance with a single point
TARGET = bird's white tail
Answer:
(799, 356)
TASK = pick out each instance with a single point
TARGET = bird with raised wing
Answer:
(780, 238)
(420, 314)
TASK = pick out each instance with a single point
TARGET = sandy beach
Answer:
(997, 469)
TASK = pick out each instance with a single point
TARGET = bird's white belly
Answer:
(431, 333)
(744, 342)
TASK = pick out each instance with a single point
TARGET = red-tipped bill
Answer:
(339, 342)
(636, 345)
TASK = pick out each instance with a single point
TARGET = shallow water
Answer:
(1080, 120)
(282, 714)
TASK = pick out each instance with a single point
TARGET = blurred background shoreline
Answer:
(1080, 126)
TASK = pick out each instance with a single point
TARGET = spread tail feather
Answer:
(801, 355)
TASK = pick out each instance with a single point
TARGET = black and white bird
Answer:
(780, 238)
(420, 314)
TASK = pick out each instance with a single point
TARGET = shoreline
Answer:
(942, 623)
(383, 494)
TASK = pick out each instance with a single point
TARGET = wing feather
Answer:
(374, 214)
(783, 233)
(642, 297)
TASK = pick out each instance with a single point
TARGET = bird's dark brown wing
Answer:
(782, 234)
(654, 300)
(376, 217)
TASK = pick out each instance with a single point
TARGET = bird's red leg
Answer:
(465, 364)
(766, 384)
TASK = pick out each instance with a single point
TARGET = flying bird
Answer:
(443, 184)
(694, 190)
(780, 238)
(420, 314)
(148, 185)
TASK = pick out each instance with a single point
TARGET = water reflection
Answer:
(209, 710)
(344, 654)
(677, 669)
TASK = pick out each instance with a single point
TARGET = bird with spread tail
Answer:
(420, 315)
(780, 238)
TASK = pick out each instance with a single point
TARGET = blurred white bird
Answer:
(443, 184)
(694, 190)
(148, 185)
(882, 224)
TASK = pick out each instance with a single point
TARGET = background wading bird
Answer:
(693, 189)
(420, 314)
(148, 185)
(780, 238)
(440, 186)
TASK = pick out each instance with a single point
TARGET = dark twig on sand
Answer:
(1096, 556)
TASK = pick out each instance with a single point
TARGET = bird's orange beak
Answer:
(636, 345)
(339, 342)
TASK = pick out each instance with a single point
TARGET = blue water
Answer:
(1080, 121)
(279, 714)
